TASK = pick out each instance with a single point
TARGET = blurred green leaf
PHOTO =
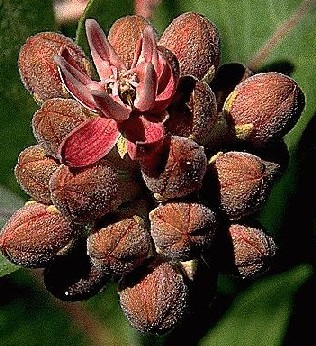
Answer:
(18, 20)
(30, 317)
(9, 203)
(260, 315)
(259, 34)
(106, 12)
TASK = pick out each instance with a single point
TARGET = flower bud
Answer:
(55, 120)
(182, 169)
(242, 182)
(120, 246)
(33, 171)
(38, 70)
(35, 235)
(155, 299)
(72, 277)
(193, 112)
(252, 250)
(124, 35)
(85, 194)
(182, 230)
(195, 42)
(265, 107)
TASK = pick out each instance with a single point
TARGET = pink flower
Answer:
(129, 102)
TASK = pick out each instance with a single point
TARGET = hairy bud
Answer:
(120, 246)
(180, 174)
(55, 120)
(85, 194)
(182, 230)
(195, 42)
(155, 299)
(38, 70)
(265, 107)
(33, 171)
(35, 235)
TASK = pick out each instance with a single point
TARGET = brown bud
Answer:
(121, 246)
(193, 112)
(124, 35)
(182, 169)
(72, 277)
(242, 182)
(35, 235)
(55, 120)
(182, 230)
(226, 79)
(195, 42)
(33, 171)
(265, 107)
(38, 70)
(252, 250)
(85, 194)
(156, 299)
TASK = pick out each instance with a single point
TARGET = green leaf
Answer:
(18, 20)
(260, 315)
(258, 34)
(9, 203)
(106, 12)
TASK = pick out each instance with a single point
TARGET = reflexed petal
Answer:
(146, 89)
(143, 136)
(75, 80)
(89, 142)
(109, 107)
(102, 52)
(166, 89)
(148, 52)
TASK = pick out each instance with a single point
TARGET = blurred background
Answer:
(277, 309)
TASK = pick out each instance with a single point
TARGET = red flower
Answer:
(129, 102)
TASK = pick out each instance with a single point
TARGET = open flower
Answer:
(129, 101)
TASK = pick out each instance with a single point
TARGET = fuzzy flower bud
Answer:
(181, 172)
(265, 107)
(182, 230)
(55, 120)
(73, 277)
(35, 235)
(193, 112)
(242, 182)
(253, 250)
(120, 246)
(155, 299)
(85, 194)
(33, 172)
(38, 70)
(195, 42)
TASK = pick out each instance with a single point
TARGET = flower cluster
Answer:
(151, 159)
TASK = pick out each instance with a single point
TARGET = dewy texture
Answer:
(151, 160)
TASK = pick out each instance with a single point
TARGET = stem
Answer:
(145, 8)
(257, 61)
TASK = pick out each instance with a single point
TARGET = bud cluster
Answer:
(144, 174)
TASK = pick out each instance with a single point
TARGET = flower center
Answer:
(123, 86)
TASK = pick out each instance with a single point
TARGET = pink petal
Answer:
(166, 88)
(146, 89)
(109, 107)
(143, 137)
(89, 142)
(149, 52)
(103, 54)
(75, 80)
